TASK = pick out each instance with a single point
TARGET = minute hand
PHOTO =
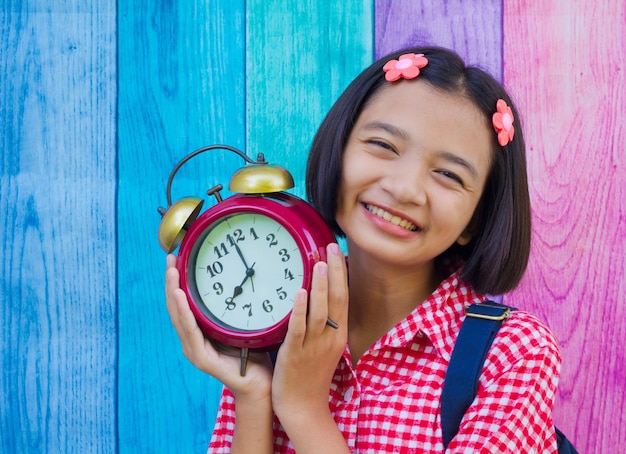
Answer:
(243, 260)
(249, 269)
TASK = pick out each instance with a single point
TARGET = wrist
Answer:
(253, 398)
(313, 430)
(302, 414)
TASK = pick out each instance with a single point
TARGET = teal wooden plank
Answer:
(299, 58)
(181, 86)
(57, 186)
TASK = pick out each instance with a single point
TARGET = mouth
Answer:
(396, 220)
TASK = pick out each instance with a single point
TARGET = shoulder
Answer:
(524, 342)
(527, 329)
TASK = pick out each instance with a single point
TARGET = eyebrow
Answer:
(456, 159)
(391, 129)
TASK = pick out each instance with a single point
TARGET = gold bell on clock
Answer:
(256, 177)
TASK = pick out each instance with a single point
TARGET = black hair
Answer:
(496, 257)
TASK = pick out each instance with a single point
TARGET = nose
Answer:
(406, 183)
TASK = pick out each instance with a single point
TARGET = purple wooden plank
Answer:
(473, 29)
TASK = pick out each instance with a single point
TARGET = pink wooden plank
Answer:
(473, 29)
(567, 59)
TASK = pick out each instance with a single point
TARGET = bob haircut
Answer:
(496, 257)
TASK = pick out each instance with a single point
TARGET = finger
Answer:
(296, 330)
(194, 342)
(172, 282)
(170, 260)
(338, 296)
(174, 307)
(318, 302)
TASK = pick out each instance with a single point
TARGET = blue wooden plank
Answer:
(181, 86)
(58, 185)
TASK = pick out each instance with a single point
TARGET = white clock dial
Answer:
(247, 271)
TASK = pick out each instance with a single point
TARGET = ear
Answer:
(465, 238)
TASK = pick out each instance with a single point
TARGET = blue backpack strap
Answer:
(482, 322)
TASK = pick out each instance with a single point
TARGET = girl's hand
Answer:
(221, 364)
(310, 353)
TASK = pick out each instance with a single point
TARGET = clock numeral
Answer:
(267, 306)
(284, 255)
(219, 289)
(271, 239)
(253, 233)
(281, 293)
(214, 269)
(238, 236)
(288, 274)
(220, 250)
(230, 304)
(249, 307)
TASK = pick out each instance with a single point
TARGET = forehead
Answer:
(430, 117)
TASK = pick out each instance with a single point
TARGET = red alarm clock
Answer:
(242, 260)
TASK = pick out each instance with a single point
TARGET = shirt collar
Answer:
(438, 318)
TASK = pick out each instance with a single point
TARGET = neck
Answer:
(381, 295)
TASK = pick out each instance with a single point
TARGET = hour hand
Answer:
(249, 273)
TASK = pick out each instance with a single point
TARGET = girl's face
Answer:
(414, 169)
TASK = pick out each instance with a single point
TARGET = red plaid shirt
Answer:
(390, 402)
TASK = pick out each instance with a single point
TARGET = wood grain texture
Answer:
(181, 87)
(473, 29)
(568, 60)
(57, 186)
(299, 58)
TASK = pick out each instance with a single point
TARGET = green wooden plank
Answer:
(58, 183)
(181, 86)
(299, 58)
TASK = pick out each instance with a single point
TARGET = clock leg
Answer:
(244, 361)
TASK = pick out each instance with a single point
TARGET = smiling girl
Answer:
(421, 165)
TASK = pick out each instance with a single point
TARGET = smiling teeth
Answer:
(397, 220)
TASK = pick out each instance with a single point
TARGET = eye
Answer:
(451, 176)
(378, 143)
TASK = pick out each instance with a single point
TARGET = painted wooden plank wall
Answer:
(57, 186)
(90, 362)
(181, 86)
(567, 59)
(473, 29)
(298, 63)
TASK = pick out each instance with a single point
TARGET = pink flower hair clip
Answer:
(407, 66)
(502, 121)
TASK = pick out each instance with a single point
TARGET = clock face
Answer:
(244, 271)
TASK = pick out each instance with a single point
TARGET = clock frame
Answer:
(299, 219)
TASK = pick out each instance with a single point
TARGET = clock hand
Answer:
(249, 269)
(238, 290)
(243, 260)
